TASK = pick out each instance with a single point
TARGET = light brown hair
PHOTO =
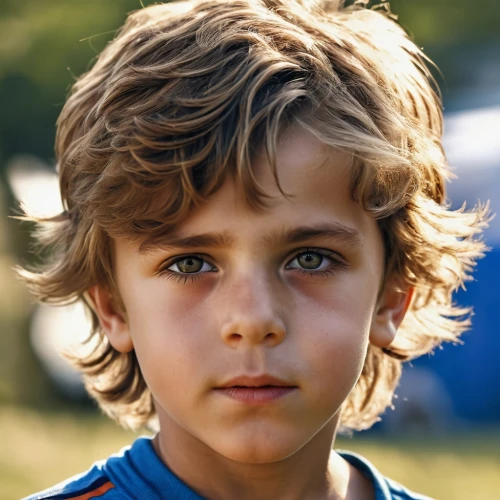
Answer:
(185, 95)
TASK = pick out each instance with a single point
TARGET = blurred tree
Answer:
(43, 45)
(449, 22)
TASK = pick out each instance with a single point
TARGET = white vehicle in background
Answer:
(472, 144)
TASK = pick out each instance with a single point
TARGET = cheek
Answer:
(343, 307)
(333, 329)
(166, 312)
(169, 334)
(334, 343)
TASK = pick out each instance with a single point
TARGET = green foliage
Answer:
(43, 45)
(449, 22)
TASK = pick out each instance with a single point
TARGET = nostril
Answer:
(252, 331)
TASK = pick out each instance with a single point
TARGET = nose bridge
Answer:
(252, 309)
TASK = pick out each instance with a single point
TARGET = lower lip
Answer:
(256, 395)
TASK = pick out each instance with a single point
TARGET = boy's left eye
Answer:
(311, 260)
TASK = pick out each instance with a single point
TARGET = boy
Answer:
(254, 200)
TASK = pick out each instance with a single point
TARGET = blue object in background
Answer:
(471, 372)
(460, 384)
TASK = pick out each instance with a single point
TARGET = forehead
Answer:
(316, 181)
(306, 171)
(303, 163)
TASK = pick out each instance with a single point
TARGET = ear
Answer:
(113, 321)
(389, 313)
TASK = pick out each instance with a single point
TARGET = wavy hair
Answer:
(185, 95)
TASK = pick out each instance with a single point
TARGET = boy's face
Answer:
(290, 292)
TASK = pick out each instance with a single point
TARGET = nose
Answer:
(252, 314)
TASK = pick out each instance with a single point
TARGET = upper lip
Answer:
(255, 381)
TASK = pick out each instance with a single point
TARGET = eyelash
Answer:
(183, 278)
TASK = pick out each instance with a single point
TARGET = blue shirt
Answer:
(138, 473)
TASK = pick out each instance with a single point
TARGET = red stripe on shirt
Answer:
(98, 492)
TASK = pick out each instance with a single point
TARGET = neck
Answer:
(313, 472)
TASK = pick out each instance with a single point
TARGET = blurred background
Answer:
(442, 438)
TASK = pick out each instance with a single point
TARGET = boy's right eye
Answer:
(190, 264)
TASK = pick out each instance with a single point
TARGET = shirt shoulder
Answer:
(134, 472)
(385, 488)
(399, 492)
(93, 483)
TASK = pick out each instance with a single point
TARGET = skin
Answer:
(254, 308)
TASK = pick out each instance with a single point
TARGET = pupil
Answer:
(189, 265)
(310, 260)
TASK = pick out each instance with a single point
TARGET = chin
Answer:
(257, 449)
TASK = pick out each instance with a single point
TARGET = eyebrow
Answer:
(172, 241)
(328, 230)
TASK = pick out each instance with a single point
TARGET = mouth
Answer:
(260, 390)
